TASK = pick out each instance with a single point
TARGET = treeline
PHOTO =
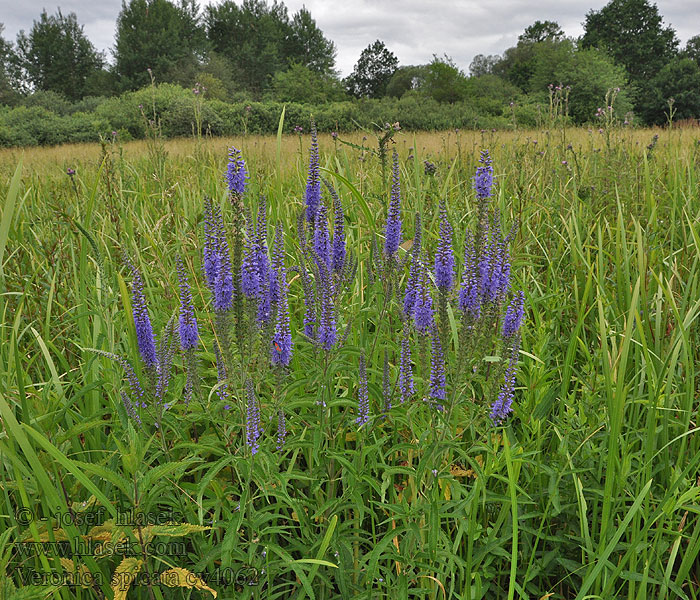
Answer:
(231, 56)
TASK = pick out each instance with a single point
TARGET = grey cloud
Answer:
(413, 29)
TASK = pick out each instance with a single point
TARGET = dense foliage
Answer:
(112, 258)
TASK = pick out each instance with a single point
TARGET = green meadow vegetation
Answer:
(588, 490)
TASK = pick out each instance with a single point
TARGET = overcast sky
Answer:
(413, 30)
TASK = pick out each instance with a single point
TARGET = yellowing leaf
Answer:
(178, 577)
(69, 566)
(124, 576)
(58, 534)
(103, 532)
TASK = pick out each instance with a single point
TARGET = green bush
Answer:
(173, 107)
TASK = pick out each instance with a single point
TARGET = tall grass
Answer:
(589, 491)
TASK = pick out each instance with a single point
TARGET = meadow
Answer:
(588, 489)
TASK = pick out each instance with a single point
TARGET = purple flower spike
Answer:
(327, 334)
(514, 316)
(414, 273)
(405, 368)
(313, 181)
(282, 341)
(502, 407)
(362, 395)
(252, 422)
(444, 256)
(338, 234)
(221, 374)
(322, 241)
(223, 282)
(250, 277)
(423, 310)
(211, 255)
(393, 222)
(236, 172)
(437, 368)
(469, 298)
(483, 180)
(189, 334)
(129, 407)
(262, 264)
(281, 429)
(142, 322)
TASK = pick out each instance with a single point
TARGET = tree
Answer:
(300, 84)
(8, 61)
(540, 31)
(57, 56)
(444, 81)
(692, 49)
(631, 31)
(678, 80)
(157, 35)
(406, 79)
(372, 73)
(483, 65)
(308, 46)
(252, 38)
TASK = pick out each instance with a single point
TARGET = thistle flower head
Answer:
(444, 256)
(189, 334)
(236, 172)
(313, 181)
(393, 222)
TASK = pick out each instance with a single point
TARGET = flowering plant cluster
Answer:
(254, 330)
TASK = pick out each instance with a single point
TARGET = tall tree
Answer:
(251, 37)
(632, 32)
(692, 49)
(157, 35)
(308, 46)
(678, 82)
(483, 65)
(8, 61)
(540, 31)
(372, 72)
(57, 56)
(444, 81)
